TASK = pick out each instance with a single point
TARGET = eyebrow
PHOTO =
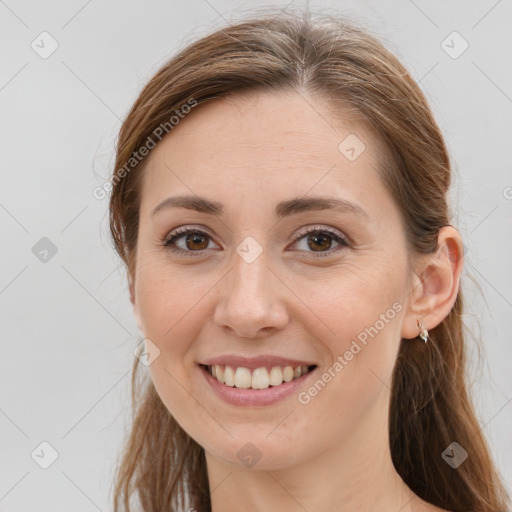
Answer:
(283, 209)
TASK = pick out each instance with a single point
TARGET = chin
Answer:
(258, 452)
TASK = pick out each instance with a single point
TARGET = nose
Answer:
(252, 301)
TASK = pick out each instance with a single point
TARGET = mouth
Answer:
(258, 378)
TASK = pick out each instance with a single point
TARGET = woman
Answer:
(280, 203)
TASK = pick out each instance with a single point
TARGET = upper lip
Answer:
(255, 362)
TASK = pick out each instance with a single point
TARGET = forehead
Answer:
(264, 145)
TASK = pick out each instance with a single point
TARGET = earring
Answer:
(423, 332)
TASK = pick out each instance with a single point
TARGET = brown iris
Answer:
(316, 245)
(196, 238)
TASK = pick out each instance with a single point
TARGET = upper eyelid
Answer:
(319, 228)
(183, 230)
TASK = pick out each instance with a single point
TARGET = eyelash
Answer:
(334, 234)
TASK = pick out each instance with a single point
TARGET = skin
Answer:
(250, 152)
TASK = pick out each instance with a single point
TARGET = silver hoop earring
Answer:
(423, 332)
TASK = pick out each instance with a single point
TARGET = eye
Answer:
(319, 240)
(193, 240)
(190, 241)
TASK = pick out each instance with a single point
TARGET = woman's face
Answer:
(267, 282)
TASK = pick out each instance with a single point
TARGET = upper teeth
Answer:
(260, 379)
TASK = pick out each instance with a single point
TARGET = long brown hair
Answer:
(430, 408)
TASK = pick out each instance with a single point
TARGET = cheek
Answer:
(168, 306)
(169, 303)
(166, 297)
(352, 298)
(360, 313)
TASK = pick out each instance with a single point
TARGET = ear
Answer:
(131, 285)
(435, 284)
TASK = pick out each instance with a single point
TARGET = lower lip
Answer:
(251, 397)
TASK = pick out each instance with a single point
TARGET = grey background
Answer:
(66, 325)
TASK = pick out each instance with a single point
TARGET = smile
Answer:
(258, 378)
(257, 386)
